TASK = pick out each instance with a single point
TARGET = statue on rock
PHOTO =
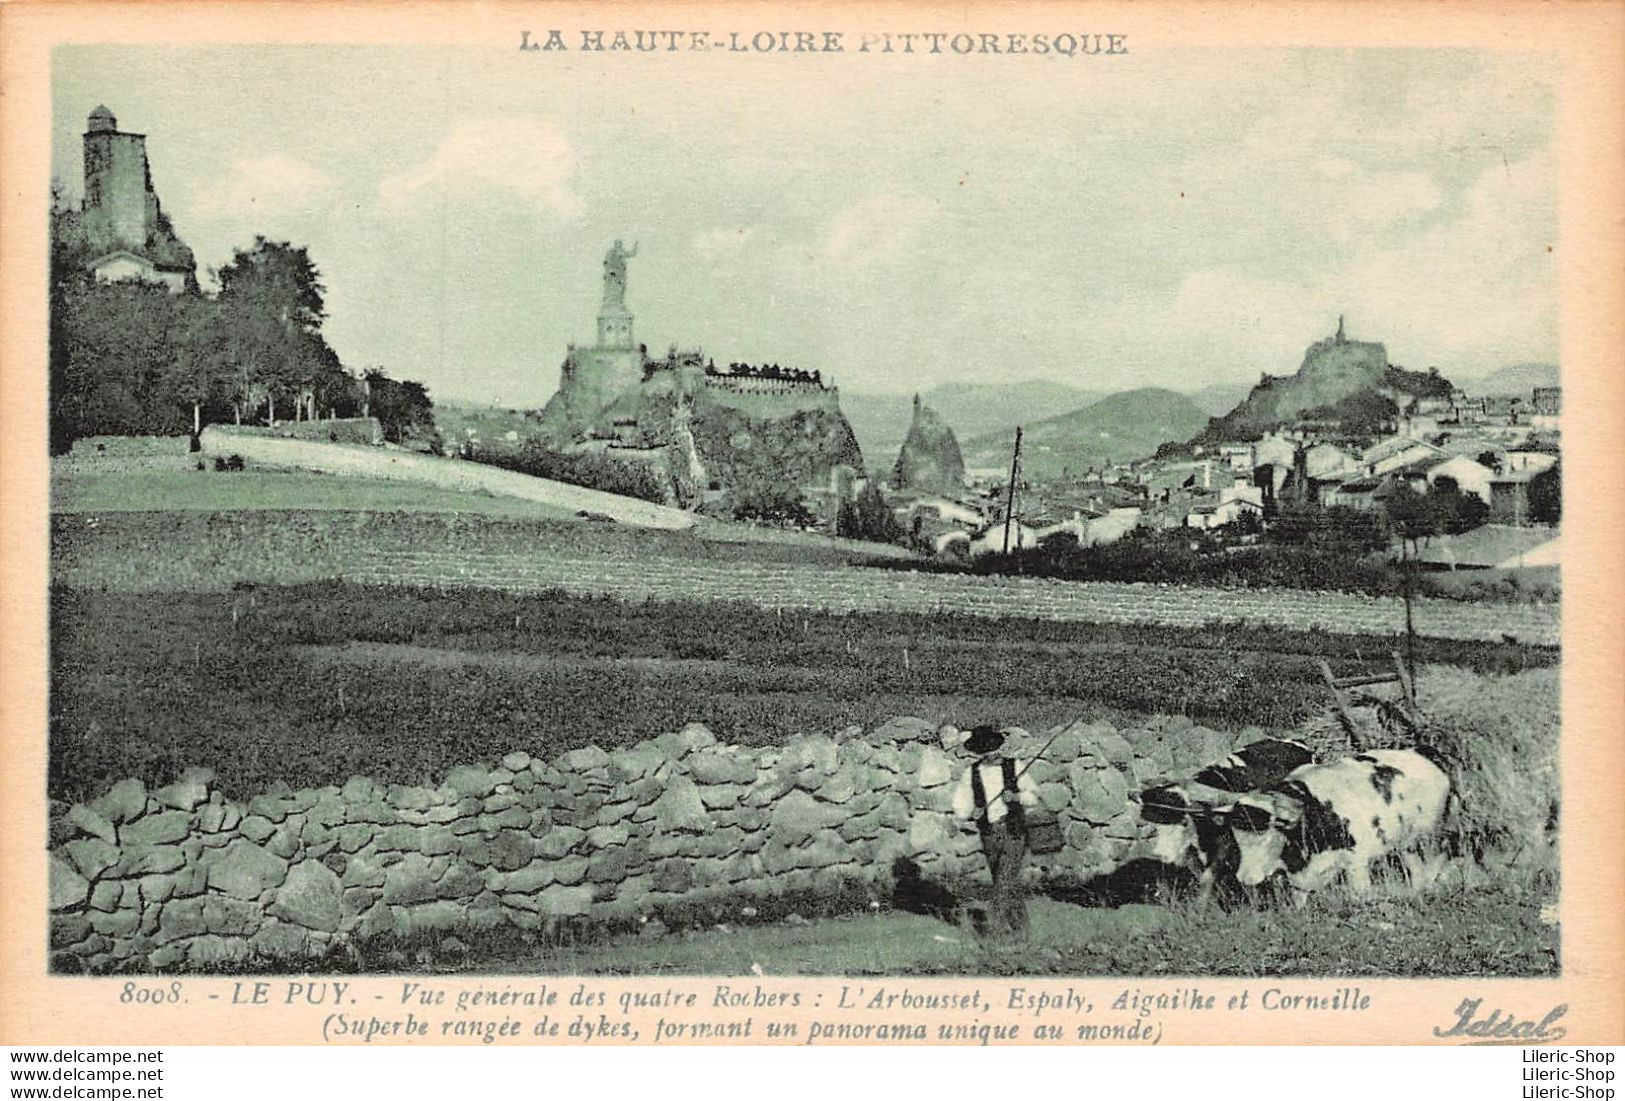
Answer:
(615, 273)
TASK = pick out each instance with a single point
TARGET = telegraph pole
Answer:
(1010, 502)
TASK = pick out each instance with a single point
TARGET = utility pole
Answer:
(1010, 502)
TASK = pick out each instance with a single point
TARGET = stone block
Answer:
(91, 856)
(471, 781)
(180, 918)
(245, 870)
(230, 916)
(90, 821)
(586, 759)
(67, 888)
(360, 871)
(561, 901)
(460, 881)
(120, 924)
(410, 880)
(679, 809)
(187, 792)
(124, 801)
(903, 729)
(273, 808)
(930, 831)
(106, 895)
(279, 940)
(311, 897)
(797, 816)
(560, 840)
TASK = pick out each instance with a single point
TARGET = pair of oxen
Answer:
(1269, 809)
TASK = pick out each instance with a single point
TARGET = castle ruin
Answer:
(120, 226)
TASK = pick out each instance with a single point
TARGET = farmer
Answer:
(994, 794)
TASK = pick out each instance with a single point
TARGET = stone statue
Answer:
(615, 273)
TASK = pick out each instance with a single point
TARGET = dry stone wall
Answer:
(182, 878)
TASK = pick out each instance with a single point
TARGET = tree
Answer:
(868, 517)
(765, 503)
(403, 409)
(271, 300)
(1546, 496)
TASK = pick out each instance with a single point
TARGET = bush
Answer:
(590, 471)
(1191, 557)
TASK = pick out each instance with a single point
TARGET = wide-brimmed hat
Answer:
(985, 739)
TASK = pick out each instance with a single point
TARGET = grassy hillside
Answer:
(257, 490)
(1127, 425)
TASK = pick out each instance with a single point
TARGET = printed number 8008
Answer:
(147, 995)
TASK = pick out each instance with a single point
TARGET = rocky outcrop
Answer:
(929, 461)
(1339, 379)
(184, 878)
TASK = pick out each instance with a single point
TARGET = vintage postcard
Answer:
(1002, 524)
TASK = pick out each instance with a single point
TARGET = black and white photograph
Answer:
(516, 512)
(734, 525)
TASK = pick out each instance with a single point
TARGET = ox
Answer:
(1337, 818)
(1190, 831)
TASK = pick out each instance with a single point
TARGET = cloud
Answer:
(875, 230)
(272, 185)
(722, 243)
(527, 158)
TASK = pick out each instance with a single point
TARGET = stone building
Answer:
(121, 226)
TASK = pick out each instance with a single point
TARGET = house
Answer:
(1362, 493)
(1468, 475)
(1535, 461)
(1509, 496)
(1226, 511)
(1322, 460)
(1393, 453)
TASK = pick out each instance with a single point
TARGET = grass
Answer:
(1494, 930)
(193, 490)
(323, 681)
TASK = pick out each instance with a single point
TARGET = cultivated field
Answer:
(316, 682)
(485, 628)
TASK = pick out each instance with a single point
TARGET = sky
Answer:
(1169, 218)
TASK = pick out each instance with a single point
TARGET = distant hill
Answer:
(1127, 425)
(1220, 397)
(1514, 381)
(880, 421)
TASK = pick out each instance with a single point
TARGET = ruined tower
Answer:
(124, 228)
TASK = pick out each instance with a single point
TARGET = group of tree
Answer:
(868, 517)
(132, 358)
